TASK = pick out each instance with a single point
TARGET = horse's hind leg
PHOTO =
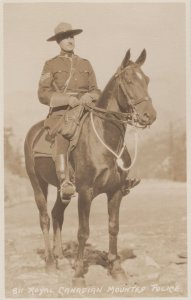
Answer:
(114, 202)
(57, 221)
(40, 188)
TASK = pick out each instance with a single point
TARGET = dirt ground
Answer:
(151, 243)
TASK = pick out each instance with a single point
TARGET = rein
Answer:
(114, 117)
(121, 118)
(119, 160)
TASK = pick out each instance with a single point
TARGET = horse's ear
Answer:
(141, 59)
(126, 59)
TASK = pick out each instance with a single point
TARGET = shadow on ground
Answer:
(92, 256)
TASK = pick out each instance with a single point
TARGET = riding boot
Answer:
(60, 167)
(67, 189)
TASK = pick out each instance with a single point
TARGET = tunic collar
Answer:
(66, 54)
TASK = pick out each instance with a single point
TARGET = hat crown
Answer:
(62, 27)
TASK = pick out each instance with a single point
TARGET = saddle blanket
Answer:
(42, 146)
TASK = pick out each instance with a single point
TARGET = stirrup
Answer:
(129, 184)
(67, 189)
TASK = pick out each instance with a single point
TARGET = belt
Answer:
(63, 107)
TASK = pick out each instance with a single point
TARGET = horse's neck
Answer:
(108, 99)
(113, 132)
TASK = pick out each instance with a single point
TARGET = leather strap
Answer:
(120, 117)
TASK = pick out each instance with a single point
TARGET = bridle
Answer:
(132, 102)
(125, 118)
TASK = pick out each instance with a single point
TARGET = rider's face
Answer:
(67, 44)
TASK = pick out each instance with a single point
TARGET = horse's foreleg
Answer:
(84, 204)
(114, 202)
(57, 221)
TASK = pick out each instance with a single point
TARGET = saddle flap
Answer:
(42, 145)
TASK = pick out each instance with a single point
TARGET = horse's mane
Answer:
(106, 93)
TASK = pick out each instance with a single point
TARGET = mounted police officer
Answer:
(66, 82)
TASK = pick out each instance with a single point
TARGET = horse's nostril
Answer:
(146, 115)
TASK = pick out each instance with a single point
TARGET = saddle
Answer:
(68, 123)
(64, 122)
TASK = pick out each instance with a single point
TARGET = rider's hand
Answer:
(86, 99)
(73, 101)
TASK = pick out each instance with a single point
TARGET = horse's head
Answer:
(132, 89)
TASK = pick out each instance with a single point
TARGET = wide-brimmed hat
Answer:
(63, 30)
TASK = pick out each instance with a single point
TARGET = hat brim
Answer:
(64, 34)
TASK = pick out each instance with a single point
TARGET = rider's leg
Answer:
(61, 147)
(67, 189)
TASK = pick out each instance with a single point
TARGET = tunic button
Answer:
(75, 78)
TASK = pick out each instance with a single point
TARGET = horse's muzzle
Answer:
(147, 119)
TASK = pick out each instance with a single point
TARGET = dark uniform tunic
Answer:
(64, 77)
(55, 74)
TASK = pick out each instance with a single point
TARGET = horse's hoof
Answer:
(119, 276)
(116, 271)
(51, 268)
(78, 282)
(58, 254)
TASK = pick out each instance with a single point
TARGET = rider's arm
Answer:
(45, 89)
(93, 89)
(49, 94)
(93, 93)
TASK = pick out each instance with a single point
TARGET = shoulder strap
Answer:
(70, 76)
(74, 62)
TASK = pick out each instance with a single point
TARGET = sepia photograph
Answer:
(96, 98)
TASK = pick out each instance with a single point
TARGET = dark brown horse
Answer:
(124, 99)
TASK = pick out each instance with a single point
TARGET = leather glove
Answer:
(73, 101)
(86, 99)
